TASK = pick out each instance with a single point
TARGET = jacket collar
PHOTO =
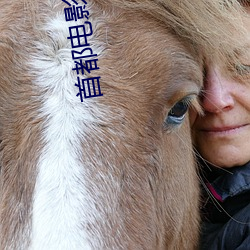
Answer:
(232, 182)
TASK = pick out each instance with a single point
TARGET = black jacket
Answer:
(226, 213)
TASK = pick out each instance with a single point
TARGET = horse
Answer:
(113, 169)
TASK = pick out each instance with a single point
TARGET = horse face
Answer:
(148, 73)
(111, 172)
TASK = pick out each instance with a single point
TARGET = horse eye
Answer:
(178, 112)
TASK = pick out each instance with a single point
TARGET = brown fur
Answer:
(143, 172)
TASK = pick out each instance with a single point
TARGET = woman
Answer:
(222, 139)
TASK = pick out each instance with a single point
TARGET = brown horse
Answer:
(114, 171)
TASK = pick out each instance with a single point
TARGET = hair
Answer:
(209, 25)
(244, 2)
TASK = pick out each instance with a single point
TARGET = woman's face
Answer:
(222, 136)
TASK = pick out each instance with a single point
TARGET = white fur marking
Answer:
(62, 205)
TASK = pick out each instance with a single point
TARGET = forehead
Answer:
(153, 57)
(246, 20)
(244, 54)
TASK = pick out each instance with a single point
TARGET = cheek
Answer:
(243, 95)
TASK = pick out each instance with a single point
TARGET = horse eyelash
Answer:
(195, 105)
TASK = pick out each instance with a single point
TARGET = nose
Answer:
(217, 94)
